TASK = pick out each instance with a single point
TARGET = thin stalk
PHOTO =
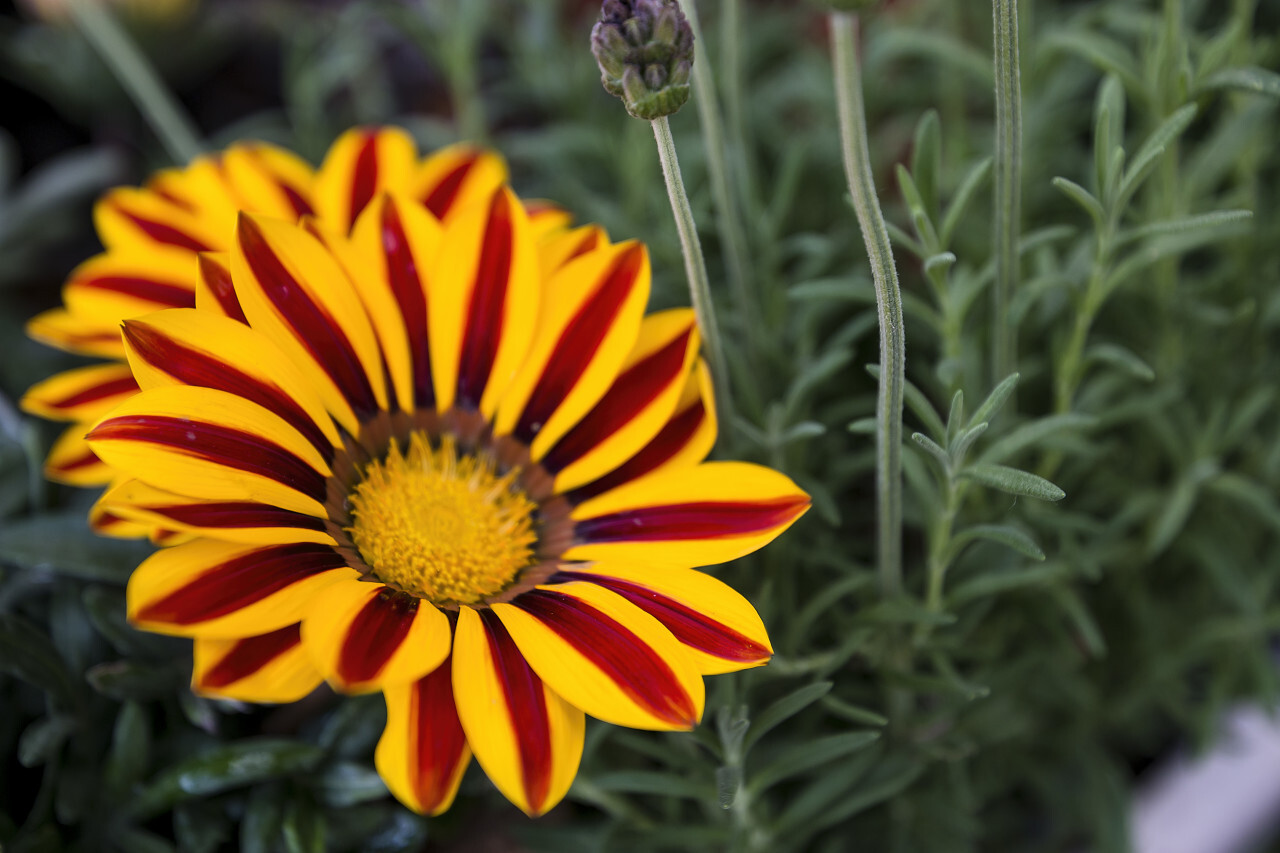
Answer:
(857, 166)
(130, 67)
(1008, 185)
(460, 50)
(727, 221)
(695, 266)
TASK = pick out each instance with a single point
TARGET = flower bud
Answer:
(645, 52)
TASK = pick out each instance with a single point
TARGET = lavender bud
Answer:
(645, 51)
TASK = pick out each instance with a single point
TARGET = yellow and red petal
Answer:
(547, 217)
(270, 668)
(104, 522)
(636, 406)
(59, 328)
(591, 313)
(73, 462)
(604, 655)
(360, 165)
(558, 247)
(527, 738)
(484, 303)
(206, 588)
(201, 349)
(252, 523)
(269, 180)
(215, 291)
(423, 752)
(127, 282)
(684, 441)
(293, 291)
(700, 516)
(209, 444)
(395, 242)
(84, 394)
(145, 218)
(455, 177)
(720, 628)
(363, 636)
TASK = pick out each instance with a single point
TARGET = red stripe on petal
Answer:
(249, 655)
(314, 328)
(218, 279)
(699, 520)
(86, 460)
(240, 582)
(441, 198)
(613, 648)
(588, 243)
(579, 343)
(364, 177)
(160, 292)
(527, 702)
(162, 233)
(232, 448)
(688, 625)
(375, 634)
(665, 445)
(633, 390)
(406, 285)
(94, 393)
(193, 367)
(235, 515)
(488, 305)
(436, 736)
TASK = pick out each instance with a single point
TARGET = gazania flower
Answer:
(448, 461)
(153, 235)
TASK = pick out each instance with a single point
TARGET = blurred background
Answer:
(1065, 662)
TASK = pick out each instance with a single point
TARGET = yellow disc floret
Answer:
(441, 525)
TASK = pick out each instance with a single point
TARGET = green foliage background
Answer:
(1046, 652)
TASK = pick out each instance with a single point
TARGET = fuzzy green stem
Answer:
(1008, 185)
(695, 266)
(130, 67)
(857, 166)
(727, 221)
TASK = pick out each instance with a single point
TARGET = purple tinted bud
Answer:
(645, 50)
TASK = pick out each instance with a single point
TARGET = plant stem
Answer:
(1008, 185)
(730, 227)
(857, 166)
(460, 49)
(130, 67)
(695, 266)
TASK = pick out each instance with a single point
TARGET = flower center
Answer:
(441, 525)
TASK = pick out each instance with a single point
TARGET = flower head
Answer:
(645, 52)
(444, 457)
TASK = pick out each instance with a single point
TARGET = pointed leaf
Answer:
(1013, 481)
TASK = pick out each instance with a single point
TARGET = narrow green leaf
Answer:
(1031, 434)
(63, 543)
(973, 181)
(863, 426)
(28, 654)
(303, 827)
(1184, 225)
(853, 713)
(260, 828)
(933, 449)
(231, 766)
(925, 231)
(1121, 357)
(807, 755)
(133, 680)
(345, 783)
(1013, 481)
(1154, 146)
(782, 710)
(955, 416)
(926, 161)
(996, 582)
(1247, 78)
(1082, 197)
(653, 782)
(995, 400)
(965, 440)
(41, 740)
(1083, 621)
(1010, 537)
(130, 752)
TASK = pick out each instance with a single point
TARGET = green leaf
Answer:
(931, 447)
(303, 828)
(41, 740)
(863, 426)
(996, 582)
(1086, 628)
(28, 654)
(63, 543)
(260, 828)
(1199, 224)
(223, 768)
(955, 417)
(1108, 131)
(853, 713)
(807, 755)
(926, 161)
(130, 753)
(919, 212)
(995, 400)
(782, 710)
(1247, 78)
(1013, 481)
(1145, 159)
(1031, 434)
(653, 782)
(965, 440)
(345, 783)
(973, 181)
(1010, 537)
(1082, 197)
(132, 680)
(1121, 357)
